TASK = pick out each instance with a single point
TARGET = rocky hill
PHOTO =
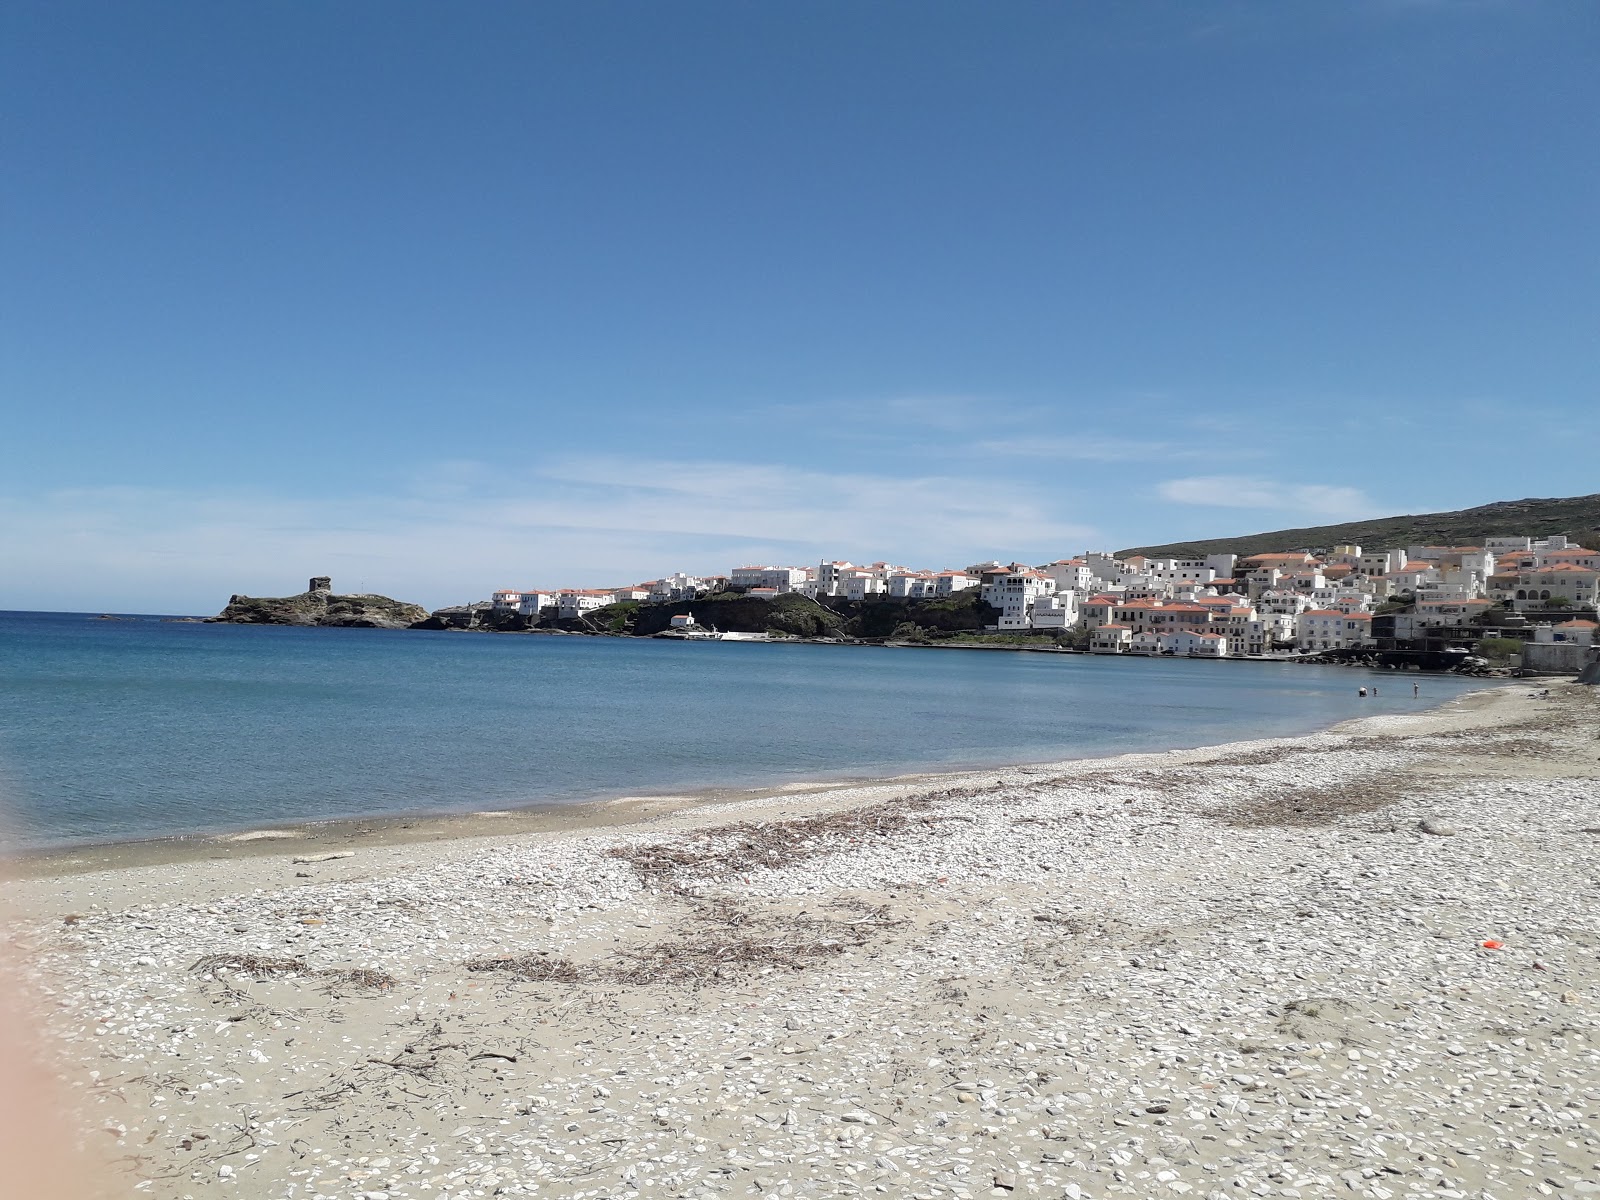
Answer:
(1578, 517)
(317, 605)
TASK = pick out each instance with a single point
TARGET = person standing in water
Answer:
(1362, 692)
(1416, 689)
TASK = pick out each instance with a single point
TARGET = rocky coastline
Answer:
(318, 605)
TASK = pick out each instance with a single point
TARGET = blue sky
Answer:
(438, 298)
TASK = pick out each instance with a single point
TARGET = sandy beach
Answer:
(1362, 962)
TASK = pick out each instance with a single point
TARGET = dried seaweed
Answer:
(534, 967)
(262, 966)
(356, 979)
(737, 849)
(1302, 807)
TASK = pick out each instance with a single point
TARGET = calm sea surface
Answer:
(141, 728)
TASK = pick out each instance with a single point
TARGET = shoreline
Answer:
(337, 834)
(1291, 962)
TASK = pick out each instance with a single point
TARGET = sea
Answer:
(147, 727)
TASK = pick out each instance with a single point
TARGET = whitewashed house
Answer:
(1070, 575)
(948, 583)
(574, 602)
(677, 586)
(1194, 643)
(779, 579)
(1329, 629)
(830, 577)
(533, 604)
(1111, 639)
(1014, 593)
(863, 585)
(1536, 587)
(1057, 611)
(911, 585)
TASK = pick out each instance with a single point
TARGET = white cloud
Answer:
(1090, 449)
(1240, 491)
(460, 530)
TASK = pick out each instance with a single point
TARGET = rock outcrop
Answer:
(319, 606)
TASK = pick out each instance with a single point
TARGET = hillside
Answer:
(1578, 517)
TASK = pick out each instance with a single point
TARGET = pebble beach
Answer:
(1357, 963)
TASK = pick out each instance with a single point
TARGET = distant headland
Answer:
(318, 605)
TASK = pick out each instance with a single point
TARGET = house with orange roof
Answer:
(1573, 633)
(1097, 610)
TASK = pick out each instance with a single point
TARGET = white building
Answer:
(1058, 611)
(859, 585)
(1577, 633)
(1111, 639)
(575, 602)
(911, 585)
(779, 579)
(1070, 575)
(639, 591)
(1381, 562)
(1195, 644)
(532, 604)
(830, 577)
(1329, 629)
(948, 583)
(1014, 592)
(677, 586)
(1577, 585)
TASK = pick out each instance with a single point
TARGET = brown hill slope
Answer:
(1578, 517)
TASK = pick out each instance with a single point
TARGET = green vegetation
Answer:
(616, 618)
(1578, 517)
(1498, 649)
(1037, 638)
(884, 618)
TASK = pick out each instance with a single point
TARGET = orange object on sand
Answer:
(1494, 945)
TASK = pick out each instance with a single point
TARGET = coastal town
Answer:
(1523, 601)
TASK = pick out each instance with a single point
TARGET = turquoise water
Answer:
(135, 729)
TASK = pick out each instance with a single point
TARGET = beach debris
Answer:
(336, 979)
(739, 849)
(1437, 826)
(301, 859)
(537, 967)
(261, 966)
